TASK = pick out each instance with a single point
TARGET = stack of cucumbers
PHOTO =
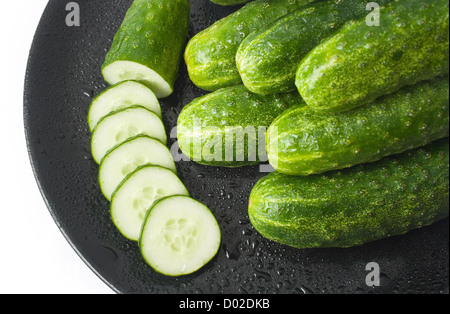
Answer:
(349, 103)
(176, 234)
(355, 99)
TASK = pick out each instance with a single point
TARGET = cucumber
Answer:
(227, 127)
(149, 44)
(179, 236)
(127, 157)
(120, 125)
(136, 194)
(268, 58)
(360, 63)
(355, 206)
(210, 55)
(122, 95)
(303, 142)
(229, 2)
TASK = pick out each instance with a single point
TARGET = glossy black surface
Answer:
(62, 78)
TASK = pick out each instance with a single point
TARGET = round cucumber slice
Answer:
(128, 156)
(179, 236)
(137, 193)
(120, 96)
(122, 125)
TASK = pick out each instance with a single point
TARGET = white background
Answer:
(35, 258)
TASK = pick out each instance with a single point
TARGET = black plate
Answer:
(62, 78)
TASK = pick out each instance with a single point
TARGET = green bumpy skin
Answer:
(268, 59)
(361, 63)
(356, 206)
(303, 142)
(229, 2)
(153, 34)
(227, 128)
(210, 55)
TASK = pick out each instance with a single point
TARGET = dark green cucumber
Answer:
(356, 206)
(229, 2)
(303, 142)
(149, 45)
(226, 127)
(361, 63)
(211, 54)
(268, 58)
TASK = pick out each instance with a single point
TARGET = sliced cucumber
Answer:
(122, 125)
(137, 193)
(120, 96)
(128, 156)
(179, 236)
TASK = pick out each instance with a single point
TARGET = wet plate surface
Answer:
(62, 78)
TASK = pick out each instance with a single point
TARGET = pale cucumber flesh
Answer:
(127, 157)
(123, 125)
(127, 70)
(179, 236)
(137, 193)
(120, 96)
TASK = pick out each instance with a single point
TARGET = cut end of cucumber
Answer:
(179, 236)
(127, 70)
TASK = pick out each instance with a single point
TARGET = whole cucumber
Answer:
(361, 62)
(148, 46)
(210, 55)
(359, 205)
(229, 2)
(227, 127)
(303, 142)
(268, 58)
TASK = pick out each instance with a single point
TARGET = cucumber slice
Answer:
(120, 96)
(128, 156)
(179, 236)
(137, 193)
(122, 125)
